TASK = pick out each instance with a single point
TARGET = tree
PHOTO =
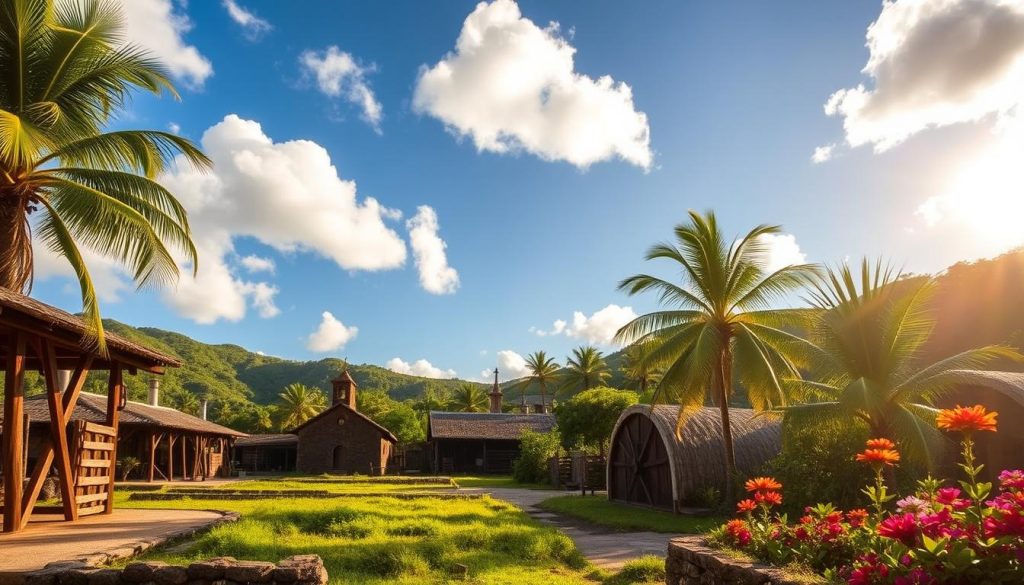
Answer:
(398, 417)
(638, 370)
(543, 371)
(868, 342)
(717, 327)
(585, 369)
(470, 397)
(67, 181)
(183, 401)
(299, 403)
(587, 419)
(432, 399)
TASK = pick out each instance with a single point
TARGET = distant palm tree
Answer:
(185, 401)
(585, 369)
(63, 178)
(543, 371)
(638, 370)
(299, 403)
(718, 327)
(432, 399)
(868, 342)
(470, 397)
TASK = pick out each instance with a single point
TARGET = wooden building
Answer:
(271, 453)
(37, 337)
(1002, 392)
(649, 464)
(341, 439)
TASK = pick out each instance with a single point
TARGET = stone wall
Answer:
(297, 570)
(363, 449)
(691, 562)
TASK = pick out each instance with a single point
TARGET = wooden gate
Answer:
(95, 449)
(640, 472)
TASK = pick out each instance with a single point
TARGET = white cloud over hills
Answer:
(420, 367)
(330, 335)
(598, 328)
(510, 85)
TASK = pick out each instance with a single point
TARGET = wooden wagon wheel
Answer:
(643, 461)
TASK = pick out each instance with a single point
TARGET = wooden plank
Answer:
(92, 510)
(89, 498)
(12, 449)
(58, 431)
(97, 446)
(91, 427)
(115, 393)
(94, 480)
(102, 463)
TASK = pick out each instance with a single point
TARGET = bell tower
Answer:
(344, 390)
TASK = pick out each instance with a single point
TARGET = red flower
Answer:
(738, 531)
(745, 506)
(880, 444)
(762, 484)
(769, 498)
(902, 527)
(857, 517)
(879, 457)
(967, 419)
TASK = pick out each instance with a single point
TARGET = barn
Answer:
(650, 465)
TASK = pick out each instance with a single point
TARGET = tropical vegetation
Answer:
(586, 420)
(586, 368)
(299, 403)
(66, 180)
(542, 371)
(470, 397)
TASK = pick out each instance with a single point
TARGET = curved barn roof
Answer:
(697, 452)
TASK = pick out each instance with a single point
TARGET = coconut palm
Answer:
(639, 371)
(470, 397)
(65, 180)
(867, 365)
(299, 403)
(543, 371)
(718, 326)
(585, 369)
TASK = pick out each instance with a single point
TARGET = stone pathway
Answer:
(602, 546)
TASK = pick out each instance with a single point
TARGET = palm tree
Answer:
(299, 403)
(585, 369)
(543, 371)
(64, 179)
(868, 341)
(470, 397)
(639, 372)
(718, 326)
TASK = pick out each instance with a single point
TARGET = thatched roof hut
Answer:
(649, 464)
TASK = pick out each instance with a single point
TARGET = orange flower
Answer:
(761, 484)
(967, 419)
(745, 506)
(881, 443)
(888, 457)
(769, 498)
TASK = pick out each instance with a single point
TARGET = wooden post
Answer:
(14, 408)
(115, 388)
(58, 430)
(152, 456)
(171, 438)
(184, 458)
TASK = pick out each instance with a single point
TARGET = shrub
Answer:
(586, 420)
(535, 449)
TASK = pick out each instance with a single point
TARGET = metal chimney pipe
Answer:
(205, 404)
(63, 379)
(154, 392)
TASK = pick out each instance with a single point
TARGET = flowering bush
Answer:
(938, 535)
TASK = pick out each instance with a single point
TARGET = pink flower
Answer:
(912, 505)
(950, 496)
(1012, 479)
(901, 527)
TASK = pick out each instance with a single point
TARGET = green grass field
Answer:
(380, 539)
(598, 510)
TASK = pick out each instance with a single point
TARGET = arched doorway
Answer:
(338, 458)
(640, 471)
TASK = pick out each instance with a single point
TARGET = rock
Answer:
(170, 575)
(141, 572)
(249, 572)
(105, 577)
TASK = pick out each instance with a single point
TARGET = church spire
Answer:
(495, 394)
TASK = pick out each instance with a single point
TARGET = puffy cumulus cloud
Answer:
(254, 263)
(287, 195)
(420, 367)
(337, 75)
(557, 328)
(934, 63)
(436, 276)
(254, 26)
(781, 250)
(511, 85)
(823, 153)
(330, 335)
(598, 328)
(155, 25)
(511, 365)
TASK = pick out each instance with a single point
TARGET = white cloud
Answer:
(436, 276)
(174, 127)
(934, 63)
(420, 367)
(823, 153)
(557, 328)
(781, 251)
(339, 75)
(331, 335)
(110, 280)
(511, 365)
(511, 85)
(287, 195)
(254, 26)
(600, 328)
(156, 26)
(254, 263)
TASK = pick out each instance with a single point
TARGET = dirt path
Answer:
(603, 547)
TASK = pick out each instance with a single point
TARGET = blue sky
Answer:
(733, 96)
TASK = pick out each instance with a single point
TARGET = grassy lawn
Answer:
(598, 510)
(493, 481)
(331, 485)
(380, 539)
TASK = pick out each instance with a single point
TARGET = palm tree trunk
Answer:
(724, 380)
(543, 396)
(15, 242)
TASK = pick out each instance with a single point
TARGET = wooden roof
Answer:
(21, 312)
(1009, 384)
(486, 425)
(268, 440)
(697, 452)
(93, 408)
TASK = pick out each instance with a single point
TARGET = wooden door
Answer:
(640, 472)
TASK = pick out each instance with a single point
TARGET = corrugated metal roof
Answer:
(486, 425)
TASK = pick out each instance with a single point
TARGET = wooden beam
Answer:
(115, 390)
(152, 456)
(171, 439)
(58, 432)
(14, 408)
